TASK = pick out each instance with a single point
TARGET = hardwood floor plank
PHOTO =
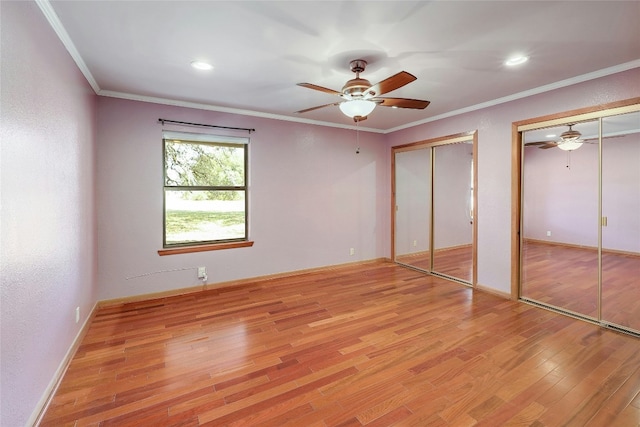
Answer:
(373, 344)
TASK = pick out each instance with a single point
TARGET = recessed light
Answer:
(200, 65)
(516, 60)
(551, 135)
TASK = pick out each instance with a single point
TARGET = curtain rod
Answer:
(163, 121)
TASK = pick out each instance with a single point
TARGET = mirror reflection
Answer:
(413, 208)
(559, 218)
(621, 220)
(580, 246)
(434, 208)
(453, 210)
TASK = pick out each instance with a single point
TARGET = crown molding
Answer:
(535, 91)
(55, 23)
(208, 107)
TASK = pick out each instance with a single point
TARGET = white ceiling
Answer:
(261, 49)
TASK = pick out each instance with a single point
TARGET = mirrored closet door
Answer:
(559, 219)
(580, 216)
(620, 223)
(434, 205)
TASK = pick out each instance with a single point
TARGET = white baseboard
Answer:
(41, 407)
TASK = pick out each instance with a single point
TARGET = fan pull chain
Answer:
(357, 137)
(568, 159)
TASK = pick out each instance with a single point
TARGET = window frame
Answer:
(207, 140)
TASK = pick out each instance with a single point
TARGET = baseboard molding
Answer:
(573, 245)
(151, 296)
(451, 248)
(239, 282)
(50, 391)
(493, 291)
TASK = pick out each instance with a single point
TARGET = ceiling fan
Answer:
(569, 140)
(360, 97)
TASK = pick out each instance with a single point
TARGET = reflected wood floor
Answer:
(567, 277)
(372, 344)
(454, 262)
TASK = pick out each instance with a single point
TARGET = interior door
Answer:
(621, 220)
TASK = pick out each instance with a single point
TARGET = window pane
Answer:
(192, 164)
(202, 216)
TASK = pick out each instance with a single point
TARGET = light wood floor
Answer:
(375, 345)
(567, 277)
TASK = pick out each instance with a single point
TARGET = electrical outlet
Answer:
(202, 273)
(77, 314)
(352, 251)
(548, 233)
(415, 243)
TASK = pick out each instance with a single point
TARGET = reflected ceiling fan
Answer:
(360, 97)
(569, 140)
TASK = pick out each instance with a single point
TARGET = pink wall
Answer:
(47, 202)
(494, 157)
(564, 200)
(312, 198)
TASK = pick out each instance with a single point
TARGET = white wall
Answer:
(494, 157)
(48, 254)
(311, 199)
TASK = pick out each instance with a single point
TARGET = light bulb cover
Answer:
(570, 145)
(357, 107)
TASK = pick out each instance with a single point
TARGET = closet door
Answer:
(453, 210)
(560, 221)
(413, 208)
(621, 220)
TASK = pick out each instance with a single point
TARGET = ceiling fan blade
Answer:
(320, 88)
(402, 103)
(392, 83)
(542, 144)
(548, 145)
(318, 107)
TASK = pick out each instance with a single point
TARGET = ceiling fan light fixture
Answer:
(570, 140)
(357, 107)
(569, 145)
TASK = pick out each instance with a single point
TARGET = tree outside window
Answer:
(205, 189)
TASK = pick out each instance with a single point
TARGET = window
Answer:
(205, 189)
